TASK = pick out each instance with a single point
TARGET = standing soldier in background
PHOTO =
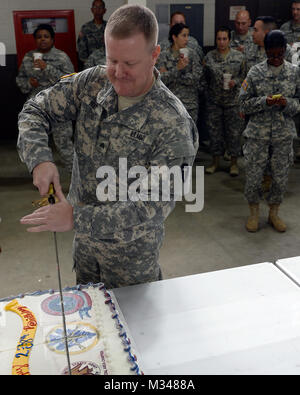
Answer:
(241, 37)
(291, 28)
(223, 118)
(179, 17)
(36, 75)
(270, 98)
(182, 73)
(91, 35)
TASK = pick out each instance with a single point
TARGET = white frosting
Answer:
(95, 344)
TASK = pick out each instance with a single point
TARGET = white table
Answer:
(291, 267)
(244, 320)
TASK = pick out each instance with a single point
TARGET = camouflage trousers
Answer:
(276, 156)
(225, 127)
(117, 264)
(63, 140)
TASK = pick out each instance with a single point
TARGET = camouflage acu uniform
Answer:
(96, 58)
(58, 64)
(192, 43)
(270, 130)
(291, 31)
(91, 37)
(237, 40)
(116, 242)
(223, 120)
(185, 83)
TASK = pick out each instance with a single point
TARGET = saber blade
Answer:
(62, 305)
(51, 200)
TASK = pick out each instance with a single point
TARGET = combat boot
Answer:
(274, 220)
(214, 166)
(234, 170)
(252, 222)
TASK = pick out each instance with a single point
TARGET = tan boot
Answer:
(274, 220)
(214, 166)
(234, 170)
(253, 220)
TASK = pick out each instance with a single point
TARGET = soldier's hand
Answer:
(54, 217)
(270, 101)
(40, 63)
(44, 174)
(182, 62)
(281, 101)
(33, 82)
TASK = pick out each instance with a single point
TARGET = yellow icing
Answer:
(21, 360)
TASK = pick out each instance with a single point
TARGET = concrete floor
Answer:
(212, 239)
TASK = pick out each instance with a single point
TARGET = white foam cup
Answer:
(184, 51)
(226, 79)
(37, 55)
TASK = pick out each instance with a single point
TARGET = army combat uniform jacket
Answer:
(291, 31)
(91, 37)
(215, 66)
(270, 122)
(254, 55)
(58, 64)
(157, 131)
(185, 83)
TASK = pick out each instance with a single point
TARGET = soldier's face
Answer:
(182, 39)
(258, 33)
(275, 56)
(130, 62)
(98, 9)
(223, 40)
(43, 40)
(296, 12)
(242, 23)
(177, 18)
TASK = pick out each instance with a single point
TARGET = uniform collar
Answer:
(134, 116)
(267, 70)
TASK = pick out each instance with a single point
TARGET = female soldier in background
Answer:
(182, 73)
(223, 118)
(36, 75)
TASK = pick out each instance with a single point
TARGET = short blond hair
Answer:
(129, 20)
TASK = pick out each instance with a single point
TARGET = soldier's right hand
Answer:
(44, 174)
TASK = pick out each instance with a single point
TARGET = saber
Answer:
(51, 200)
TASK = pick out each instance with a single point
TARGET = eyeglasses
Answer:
(100, 7)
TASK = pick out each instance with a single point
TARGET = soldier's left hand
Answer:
(54, 217)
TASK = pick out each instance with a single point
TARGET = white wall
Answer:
(209, 16)
(81, 11)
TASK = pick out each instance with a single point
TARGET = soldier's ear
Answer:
(155, 53)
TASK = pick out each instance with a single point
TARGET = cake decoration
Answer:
(80, 337)
(97, 339)
(21, 359)
(76, 301)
